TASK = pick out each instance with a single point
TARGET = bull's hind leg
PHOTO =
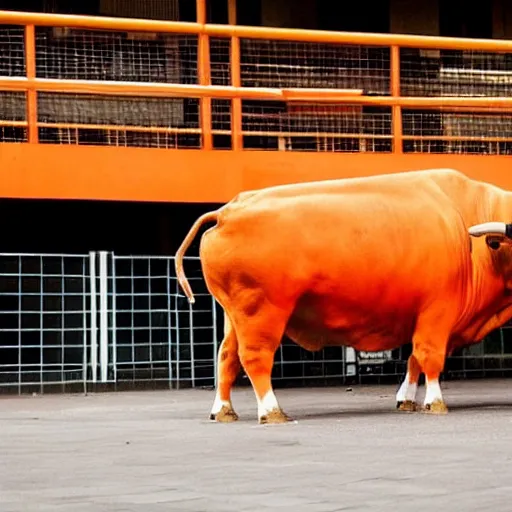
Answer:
(228, 368)
(259, 336)
(406, 395)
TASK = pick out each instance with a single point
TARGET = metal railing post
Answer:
(204, 74)
(93, 312)
(103, 281)
(396, 110)
(31, 94)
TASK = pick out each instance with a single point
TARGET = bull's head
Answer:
(498, 237)
(497, 233)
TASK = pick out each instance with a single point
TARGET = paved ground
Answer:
(154, 451)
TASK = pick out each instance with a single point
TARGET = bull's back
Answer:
(449, 180)
(359, 240)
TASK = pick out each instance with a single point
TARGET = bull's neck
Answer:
(484, 296)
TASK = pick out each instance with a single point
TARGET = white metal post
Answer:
(103, 316)
(94, 328)
(114, 319)
(191, 343)
(84, 320)
(215, 341)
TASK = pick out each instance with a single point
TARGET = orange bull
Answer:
(370, 263)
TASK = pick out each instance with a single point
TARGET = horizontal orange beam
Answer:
(13, 124)
(113, 173)
(137, 88)
(317, 95)
(319, 36)
(97, 22)
(456, 138)
(217, 91)
(125, 128)
(426, 102)
(259, 133)
(298, 135)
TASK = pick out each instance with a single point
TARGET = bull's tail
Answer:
(178, 258)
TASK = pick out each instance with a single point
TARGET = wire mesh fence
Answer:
(156, 334)
(280, 64)
(94, 321)
(12, 49)
(44, 309)
(13, 117)
(118, 120)
(457, 132)
(78, 54)
(316, 127)
(454, 72)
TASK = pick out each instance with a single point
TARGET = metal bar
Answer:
(308, 94)
(114, 317)
(354, 38)
(288, 94)
(14, 124)
(96, 22)
(236, 103)
(84, 320)
(204, 74)
(41, 321)
(237, 141)
(94, 333)
(30, 63)
(116, 88)
(20, 306)
(62, 324)
(132, 314)
(263, 133)
(169, 333)
(177, 337)
(458, 138)
(411, 101)
(396, 111)
(103, 316)
(150, 326)
(214, 341)
(114, 127)
(191, 343)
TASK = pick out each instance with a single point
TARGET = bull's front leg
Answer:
(406, 395)
(429, 349)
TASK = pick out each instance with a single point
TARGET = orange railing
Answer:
(249, 87)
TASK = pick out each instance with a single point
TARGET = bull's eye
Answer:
(493, 244)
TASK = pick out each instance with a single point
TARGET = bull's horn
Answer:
(487, 228)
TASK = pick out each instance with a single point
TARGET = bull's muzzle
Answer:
(491, 228)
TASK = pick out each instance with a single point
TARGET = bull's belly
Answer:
(317, 339)
(368, 333)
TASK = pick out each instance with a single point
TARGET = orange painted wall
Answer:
(138, 174)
